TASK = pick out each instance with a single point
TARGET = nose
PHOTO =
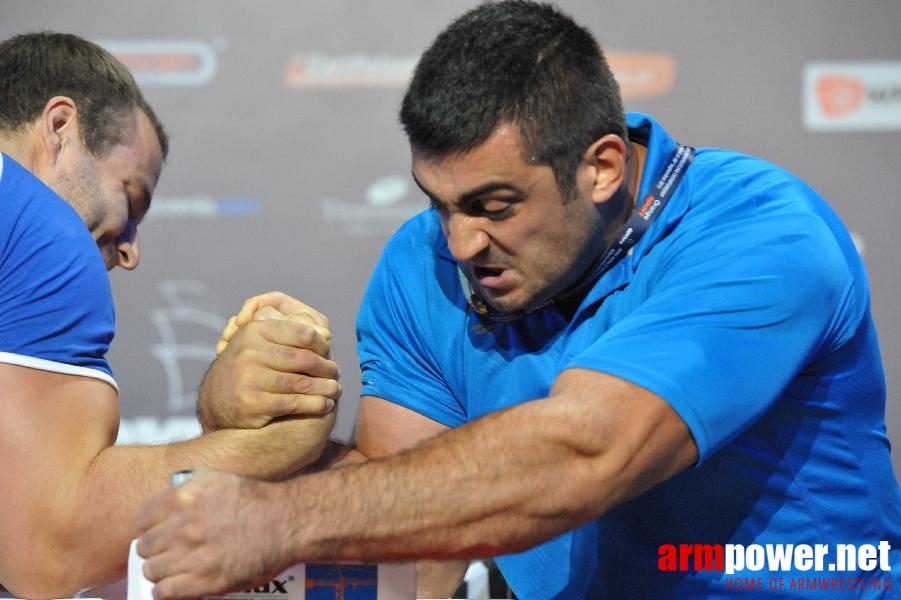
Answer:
(465, 238)
(128, 249)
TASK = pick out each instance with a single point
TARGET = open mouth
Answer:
(494, 279)
(481, 273)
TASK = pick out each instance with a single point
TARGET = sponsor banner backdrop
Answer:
(288, 169)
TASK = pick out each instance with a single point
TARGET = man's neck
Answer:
(12, 149)
(22, 146)
(567, 302)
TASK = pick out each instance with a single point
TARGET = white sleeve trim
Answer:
(56, 367)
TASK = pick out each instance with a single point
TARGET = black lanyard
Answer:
(645, 213)
(642, 216)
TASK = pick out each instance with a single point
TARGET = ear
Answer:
(58, 126)
(605, 163)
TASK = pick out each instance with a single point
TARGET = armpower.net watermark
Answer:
(817, 567)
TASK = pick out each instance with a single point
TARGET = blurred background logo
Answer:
(852, 95)
(160, 62)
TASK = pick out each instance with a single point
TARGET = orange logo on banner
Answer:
(166, 62)
(840, 95)
(313, 70)
(643, 74)
(161, 62)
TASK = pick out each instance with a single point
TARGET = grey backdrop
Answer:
(288, 169)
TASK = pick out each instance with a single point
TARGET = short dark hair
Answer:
(35, 67)
(518, 62)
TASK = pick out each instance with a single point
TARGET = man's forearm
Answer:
(464, 494)
(501, 484)
(335, 454)
(96, 521)
(434, 579)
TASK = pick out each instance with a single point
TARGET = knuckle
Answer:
(286, 382)
(192, 532)
(305, 333)
(302, 360)
(303, 385)
(244, 384)
(250, 401)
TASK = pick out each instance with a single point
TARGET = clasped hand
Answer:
(273, 361)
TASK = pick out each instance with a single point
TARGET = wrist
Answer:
(205, 416)
(297, 518)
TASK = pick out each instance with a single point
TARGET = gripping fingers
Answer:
(230, 328)
(268, 313)
(307, 360)
(300, 405)
(288, 305)
(284, 304)
(243, 318)
(288, 337)
(303, 394)
(302, 317)
(250, 311)
(253, 310)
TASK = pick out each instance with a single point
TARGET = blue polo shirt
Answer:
(745, 306)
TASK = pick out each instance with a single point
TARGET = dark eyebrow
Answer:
(472, 195)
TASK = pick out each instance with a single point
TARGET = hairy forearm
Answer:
(498, 485)
(434, 579)
(466, 494)
(334, 455)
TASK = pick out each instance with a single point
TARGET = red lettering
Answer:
(667, 560)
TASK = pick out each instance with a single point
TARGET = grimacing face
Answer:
(506, 222)
(112, 193)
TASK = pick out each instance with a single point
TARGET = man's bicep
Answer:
(385, 428)
(46, 414)
(631, 437)
(52, 426)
